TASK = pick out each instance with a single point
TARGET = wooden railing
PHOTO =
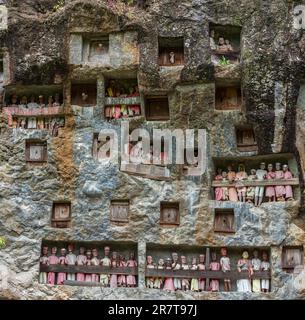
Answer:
(197, 274)
(32, 112)
(149, 171)
(256, 183)
(88, 269)
(110, 101)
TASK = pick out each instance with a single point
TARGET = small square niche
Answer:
(292, 256)
(224, 221)
(169, 213)
(84, 94)
(61, 215)
(119, 211)
(36, 151)
(171, 51)
(157, 108)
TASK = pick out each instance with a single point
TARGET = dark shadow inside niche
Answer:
(36, 151)
(84, 94)
(292, 256)
(34, 96)
(157, 108)
(61, 215)
(228, 96)
(95, 48)
(171, 51)
(234, 253)
(225, 44)
(245, 139)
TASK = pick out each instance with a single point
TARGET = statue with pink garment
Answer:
(131, 263)
(232, 190)
(114, 264)
(122, 277)
(81, 260)
(288, 189)
(53, 260)
(279, 190)
(214, 266)
(168, 282)
(270, 190)
(62, 276)
(218, 190)
(158, 282)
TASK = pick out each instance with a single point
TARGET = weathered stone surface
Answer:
(38, 42)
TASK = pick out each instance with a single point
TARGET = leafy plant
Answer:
(2, 242)
(223, 62)
(60, 4)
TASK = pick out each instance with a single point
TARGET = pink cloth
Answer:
(62, 276)
(80, 277)
(270, 191)
(232, 191)
(130, 279)
(113, 281)
(117, 112)
(202, 284)
(288, 189)
(214, 284)
(94, 277)
(88, 277)
(169, 284)
(51, 275)
(122, 277)
(218, 190)
(279, 190)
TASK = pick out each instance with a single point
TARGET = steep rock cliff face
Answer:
(271, 73)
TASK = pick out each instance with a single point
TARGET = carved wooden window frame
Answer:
(28, 144)
(169, 205)
(55, 221)
(119, 202)
(219, 214)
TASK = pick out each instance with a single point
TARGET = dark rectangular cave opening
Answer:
(171, 51)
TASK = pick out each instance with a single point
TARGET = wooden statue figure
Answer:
(114, 264)
(244, 265)
(214, 266)
(225, 190)
(158, 282)
(95, 262)
(50, 101)
(195, 281)
(176, 266)
(53, 259)
(251, 190)
(168, 282)
(122, 277)
(88, 277)
(279, 190)
(225, 267)
(131, 263)
(232, 191)
(288, 189)
(212, 40)
(56, 102)
(150, 265)
(201, 267)
(105, 262)
(270, 191)
(23, 102)
(32, 104)
(265, 266)
(44, 260)
(185, 283)
(70, 261)
(41, 102)
(256, 266)
(62, 276)
(261, 174)
(240, 187)
(81, 260)
(218, 190)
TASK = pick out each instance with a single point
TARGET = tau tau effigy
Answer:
(144, 160)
